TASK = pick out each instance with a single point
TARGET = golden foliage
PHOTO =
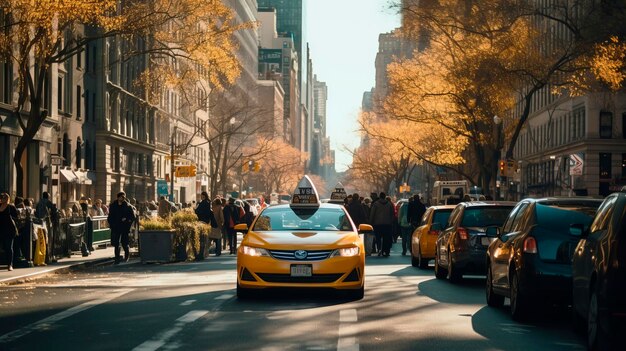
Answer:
(608, 63)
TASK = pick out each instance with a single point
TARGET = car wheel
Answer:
(493, 299)
(519, 304)
(243, 293)
(599, 333)
(414, 261)
(421, 262)
(454, 275)
(440, 273)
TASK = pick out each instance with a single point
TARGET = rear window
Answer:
(441, 216)
(485, 216)
(558, 218)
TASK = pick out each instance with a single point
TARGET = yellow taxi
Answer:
(424, 238)
(304, 244)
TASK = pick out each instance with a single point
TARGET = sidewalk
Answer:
(19, 275)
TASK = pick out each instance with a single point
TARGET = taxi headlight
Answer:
(254, 251)
(346, 252)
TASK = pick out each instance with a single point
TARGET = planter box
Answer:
(156, 245)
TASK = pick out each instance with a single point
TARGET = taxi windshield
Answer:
(290, 219)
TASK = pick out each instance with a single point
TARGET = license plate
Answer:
(301, 270)
(486, 241)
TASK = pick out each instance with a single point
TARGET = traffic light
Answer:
(257, 166)
(192, 171)
(502, 168)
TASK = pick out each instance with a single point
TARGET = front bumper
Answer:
(268, 272)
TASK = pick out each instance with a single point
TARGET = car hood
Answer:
(301, 239)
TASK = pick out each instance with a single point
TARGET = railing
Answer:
(100, 231)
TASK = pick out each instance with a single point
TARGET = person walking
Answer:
(406, 229)
(96, 209)
(381, 217)
(205, 215)
(8, 223)
(121, 217)
(231, 218)
(165, 207)
(216, 232)
(415, 211)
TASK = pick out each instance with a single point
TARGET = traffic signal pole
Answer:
(172, 165)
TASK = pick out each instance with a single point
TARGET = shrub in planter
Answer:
(155, 224)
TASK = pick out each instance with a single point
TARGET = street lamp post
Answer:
(172, 163)
(497, 121)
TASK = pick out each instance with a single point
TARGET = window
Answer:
(67, 150)
(79, 102)
(606, 124)
(60, 93)
(605, 166)
(79, 153)
(5, 83)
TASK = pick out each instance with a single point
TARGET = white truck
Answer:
(449, 191)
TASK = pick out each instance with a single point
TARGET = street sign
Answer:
(162, 188)
(185, 171)
(576, 164)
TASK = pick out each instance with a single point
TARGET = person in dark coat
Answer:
(205, 214)
(415, 212)
(356, 211)
(376, 247)
(8, 223)
(382, 217)
(231, 218)
(121, 217)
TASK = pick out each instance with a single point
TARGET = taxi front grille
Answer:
(290, 255)
(286, 278)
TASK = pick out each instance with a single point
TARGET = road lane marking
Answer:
(224, 297)
(47, 322)
(348, 330)
(187, 303)
(162, 338)
(347, 316)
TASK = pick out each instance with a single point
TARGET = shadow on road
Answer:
(468, 291)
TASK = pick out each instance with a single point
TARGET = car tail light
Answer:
(462, 233)
(530, 245)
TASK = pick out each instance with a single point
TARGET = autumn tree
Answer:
(237, 131)
(487, 58)
(192, 35)
(282, 167)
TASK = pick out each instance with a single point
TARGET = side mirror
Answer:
(365, 228)
(436, 226)
(578, 229)
(242, 227)
(493, 232)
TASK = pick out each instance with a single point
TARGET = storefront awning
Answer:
(68, 176)
(82, 177)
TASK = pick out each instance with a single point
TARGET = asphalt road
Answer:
(192, 306)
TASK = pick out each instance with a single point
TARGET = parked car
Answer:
(531, 258)
(424, 237)
(599, 275)
(461, 246)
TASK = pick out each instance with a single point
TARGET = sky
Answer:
(343, 36)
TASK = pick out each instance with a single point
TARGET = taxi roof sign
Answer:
(338, 195)
(305, 194)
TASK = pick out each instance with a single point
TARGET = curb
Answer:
(55, 270)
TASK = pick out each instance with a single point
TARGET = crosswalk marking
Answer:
(348, 330)
(187, 303)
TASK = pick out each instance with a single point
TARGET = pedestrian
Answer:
(406, 229)
(19, 202)
(231, 218)
(8, 223)
(376, 244)
(205, 215)
(165, 207)
(121, 217)
(96, 209)
(467, 198)
(248, 216)
(217, 232)
(415, 211)
(381, 217)
(356, 210)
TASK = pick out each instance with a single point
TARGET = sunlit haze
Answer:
(343, 36)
